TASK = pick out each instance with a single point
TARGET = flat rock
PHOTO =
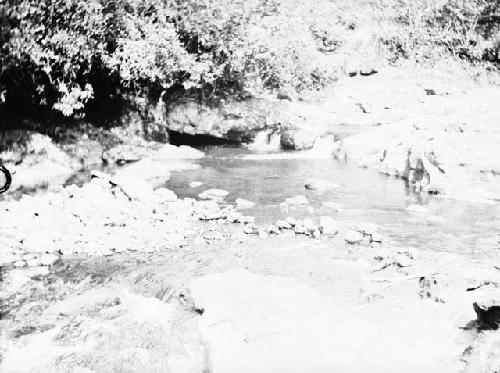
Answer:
(166, 195)
(353, 237)
(328, 225)
(214, 194)
(242, 204)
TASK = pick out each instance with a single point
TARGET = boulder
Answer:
(214, 194)
(195, 184)
(123, 153)
(297, 139)
(34, 161)
(166, 195)
(353, 237)
(328, 225)
(242, 204)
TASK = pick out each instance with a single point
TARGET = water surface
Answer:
(363, 196)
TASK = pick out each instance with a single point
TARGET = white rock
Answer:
(291, 221)
(297, 200)
(299, 228)
(402, 260)
(166, 195)
(213, 194)
(33, 262)
(247, 219)
(195, 184)
(242, 204)
(353, 237)
(308, 224)
(283, 224)
(19, 264)
(48, 259)
(249, 229)
(328, 225)
(376, 237)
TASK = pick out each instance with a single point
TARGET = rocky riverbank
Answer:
(118, 275)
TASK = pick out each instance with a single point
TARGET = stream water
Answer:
(363, 196)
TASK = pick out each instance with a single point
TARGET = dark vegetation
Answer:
(72, 58)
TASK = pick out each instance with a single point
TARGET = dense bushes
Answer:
(72, 56)
(433, 29)
(63, 54)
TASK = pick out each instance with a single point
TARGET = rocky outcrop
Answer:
(439, 141)
(34, 160)
(297, 139)
(238, 121)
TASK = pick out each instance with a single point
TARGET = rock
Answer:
(299, 228)
(122, 154)
(6, 259)
(283, 224)
(87, 152)
(488, 314)
(297, 139)
(287, 93)
(249, 229)
(274, 229)
(128, 183)
(242, 204)
(309, 225)
(214, 194)
(402, 260)
(365, 228)
(353, 237)
(247, 219)
(19, 264)
(241, 307)
(166, 195)
(195, 184)
(297, 200)
(291, 221)
(170, 152)
(316, 233)
(328, 225)
(33, 262)
(376, 237)
(382, 254)
(35, 161)
(367, 71)
(198, 241)
(234, 217)
(320, 185)
(262, 233)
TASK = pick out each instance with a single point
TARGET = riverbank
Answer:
(177, 284)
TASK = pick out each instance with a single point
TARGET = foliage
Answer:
(430, 29)
(72, 56)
